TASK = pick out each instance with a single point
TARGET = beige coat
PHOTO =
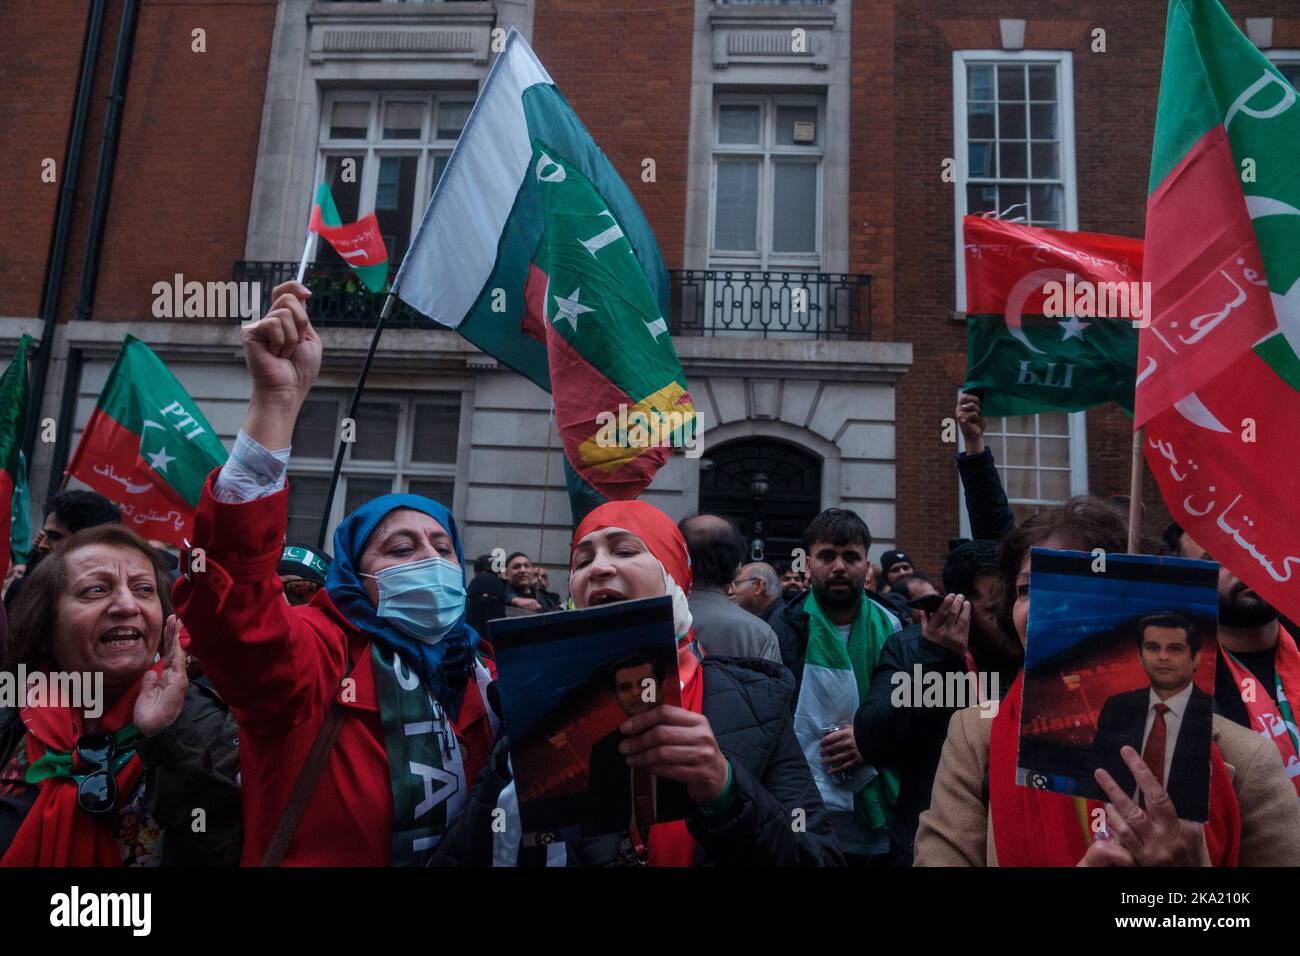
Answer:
(957, 830)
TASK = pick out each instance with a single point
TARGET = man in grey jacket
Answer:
(722, 628)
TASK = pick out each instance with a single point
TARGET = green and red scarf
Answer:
(1040, 828)
(1271, 714)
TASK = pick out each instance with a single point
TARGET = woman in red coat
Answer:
(384, 646)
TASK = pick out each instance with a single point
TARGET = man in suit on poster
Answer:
(637, 685)
(1167, 722)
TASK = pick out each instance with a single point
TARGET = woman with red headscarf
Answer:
(731, 742)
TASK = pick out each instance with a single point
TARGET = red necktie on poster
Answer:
(643, 799)
(1154, 752)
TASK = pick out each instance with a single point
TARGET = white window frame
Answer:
(1064, 60)
(1287, 56)
(400, 470)
(427, 148)
(767, 152)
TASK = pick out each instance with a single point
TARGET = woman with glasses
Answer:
(112, 750)
(362, 714)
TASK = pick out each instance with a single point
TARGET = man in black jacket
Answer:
(1168, 722)
(485, 597)
(894, 729)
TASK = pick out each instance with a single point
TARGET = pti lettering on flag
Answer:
(147, 447)
(1218, 388)
(1050, 317)
(533, 248)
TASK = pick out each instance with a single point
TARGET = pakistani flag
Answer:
(1218, 386)
(1050, 317)
(534, 249)
(13, 422)
(147, 447)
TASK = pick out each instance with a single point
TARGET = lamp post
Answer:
(759, 487)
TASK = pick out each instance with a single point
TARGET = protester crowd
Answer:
(287, 705)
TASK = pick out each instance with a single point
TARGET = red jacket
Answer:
(278, 667)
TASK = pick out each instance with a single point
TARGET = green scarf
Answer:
(874, 803)
(60, 763)
(425, 769)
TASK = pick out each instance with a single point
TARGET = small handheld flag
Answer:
(360, 244)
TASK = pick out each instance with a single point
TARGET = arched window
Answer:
(770, 488)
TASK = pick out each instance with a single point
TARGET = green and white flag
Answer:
(534, 249)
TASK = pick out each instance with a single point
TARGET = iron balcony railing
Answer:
(743, 303)
(770, 304)
(338, 297)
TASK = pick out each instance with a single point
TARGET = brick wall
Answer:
(186, 154)
(38, 74)
(1115, 101)
(628, 75)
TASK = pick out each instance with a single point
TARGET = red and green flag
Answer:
(1218, 386)
(147, 447)
(360, 244)
(1049, 317)
(534, 249)
(13, 423)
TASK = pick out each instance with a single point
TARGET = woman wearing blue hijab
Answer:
(378, 678)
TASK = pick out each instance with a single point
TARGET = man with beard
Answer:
(792, 581)
(66, 513)
(1258, 668)
(839, 629)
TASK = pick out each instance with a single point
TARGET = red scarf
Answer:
(1266, 717)
(55, 832)
(671, 844)
(1040, 828)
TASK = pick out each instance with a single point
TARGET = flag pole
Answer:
(308, 254)
(1135, 492)
(352, 414)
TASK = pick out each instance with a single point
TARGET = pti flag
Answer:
(13, 422)
(361, 245)
(534, 249)
(147, 447)
(1049, 317)
(1218, 386)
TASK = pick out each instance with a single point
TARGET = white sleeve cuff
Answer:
(250, 472)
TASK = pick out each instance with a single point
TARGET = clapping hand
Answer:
(162, 693)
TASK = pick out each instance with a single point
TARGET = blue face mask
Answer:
(423, 599)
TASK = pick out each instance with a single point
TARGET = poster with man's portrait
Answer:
(1120, 652)
(568, 681)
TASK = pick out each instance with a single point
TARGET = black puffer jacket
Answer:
(747, 703)
(908, 739)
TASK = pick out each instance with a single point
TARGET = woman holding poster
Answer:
(980, 816)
